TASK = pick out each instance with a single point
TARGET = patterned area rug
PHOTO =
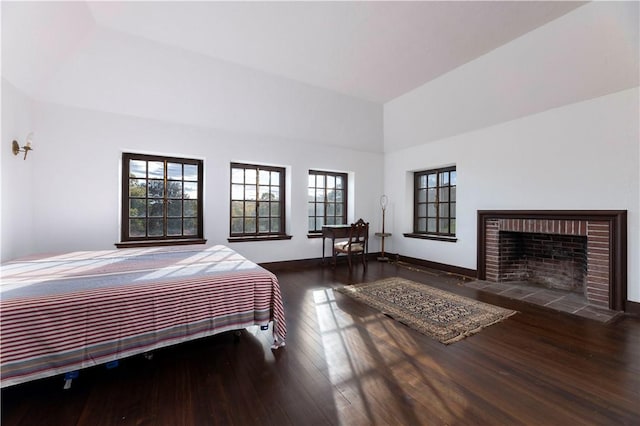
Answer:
(444, 316)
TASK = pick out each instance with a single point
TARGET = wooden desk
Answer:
(333, 232)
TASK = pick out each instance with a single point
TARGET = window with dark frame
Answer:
(327, 199)
(161, 199)
(257, 201)
(435, 202)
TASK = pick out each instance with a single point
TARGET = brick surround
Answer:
(582, 251)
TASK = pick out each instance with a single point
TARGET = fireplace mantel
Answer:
(606, 232)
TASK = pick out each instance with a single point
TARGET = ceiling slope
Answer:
(375, 51)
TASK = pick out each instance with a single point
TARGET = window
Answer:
(257, 202)
(327, 199)
(435, 202)
(161, 198)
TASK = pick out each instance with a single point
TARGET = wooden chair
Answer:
(355, 245)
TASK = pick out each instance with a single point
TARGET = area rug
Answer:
(444, 316)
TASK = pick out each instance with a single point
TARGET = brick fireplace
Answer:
(579, 251)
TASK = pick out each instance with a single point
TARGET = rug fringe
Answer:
(468, 333)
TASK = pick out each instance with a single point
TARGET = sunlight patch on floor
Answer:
(389, 370)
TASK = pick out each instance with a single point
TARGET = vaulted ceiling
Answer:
(374, 51)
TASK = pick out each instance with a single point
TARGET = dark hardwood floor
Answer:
(347, 364)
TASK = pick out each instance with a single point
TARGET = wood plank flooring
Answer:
(347, 364)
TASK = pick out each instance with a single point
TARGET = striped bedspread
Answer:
(66, 312)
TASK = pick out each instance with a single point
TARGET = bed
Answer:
(62, 313)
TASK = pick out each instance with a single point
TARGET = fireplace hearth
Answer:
(583, 252)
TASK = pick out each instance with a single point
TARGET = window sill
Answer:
(452, 239)
(259, 238)
(156, 243)
(315, 235)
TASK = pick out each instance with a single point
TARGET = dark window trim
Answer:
(125, 239)
(430, 237)
(439, 236)
(159, 243)
(257, 236)
(345, 178)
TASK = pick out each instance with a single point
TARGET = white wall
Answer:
(548, 121)
(115, 92)
(581, 156)
(16, 192)
(130, 75)
(589, 52)
(77, 178)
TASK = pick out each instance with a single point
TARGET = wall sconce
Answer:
(15, 146)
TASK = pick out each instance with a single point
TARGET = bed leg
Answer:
(68, 378)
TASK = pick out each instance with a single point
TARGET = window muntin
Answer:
(435, 202)
(257, 200)
(327, 199)
(161, 198)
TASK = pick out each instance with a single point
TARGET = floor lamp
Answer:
(384, 200)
